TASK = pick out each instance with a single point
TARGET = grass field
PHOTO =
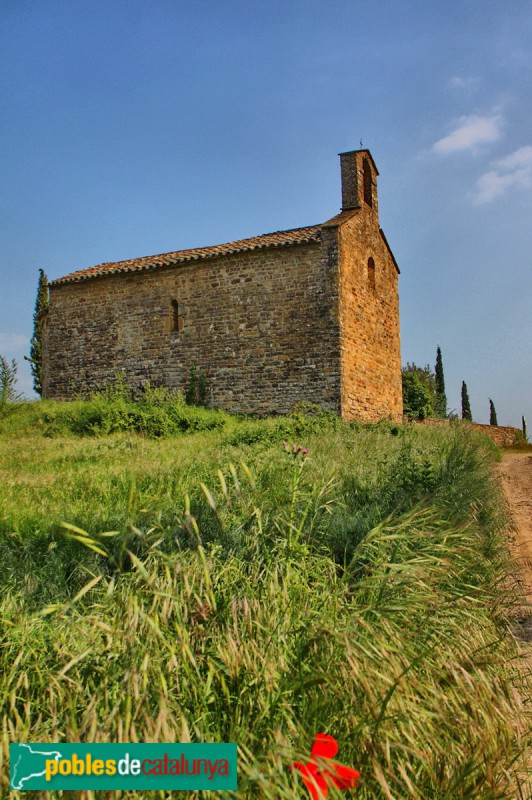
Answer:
(213, 585)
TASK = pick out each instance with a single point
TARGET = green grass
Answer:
(246, 594)
(520, 447)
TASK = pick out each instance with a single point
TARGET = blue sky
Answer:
(129, 128)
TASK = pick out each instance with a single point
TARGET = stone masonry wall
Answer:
(500, 434)
(261, 325)
(369, 320)
(503, 436)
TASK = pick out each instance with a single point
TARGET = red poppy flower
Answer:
(318, 776)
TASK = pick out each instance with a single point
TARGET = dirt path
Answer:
(515, 471)
(516, 474)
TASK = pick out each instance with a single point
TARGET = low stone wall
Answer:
(501, 435)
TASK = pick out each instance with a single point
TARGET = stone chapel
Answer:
(308, 314)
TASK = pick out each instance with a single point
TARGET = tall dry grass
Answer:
(357, 591)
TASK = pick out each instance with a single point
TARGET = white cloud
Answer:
(512, 171)
(471, 131)
(522, 157)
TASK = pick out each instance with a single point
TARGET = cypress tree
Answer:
(35, 356)
(466, 407)
(440, 406)
(493, 414)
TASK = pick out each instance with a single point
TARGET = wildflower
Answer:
(321, 772)
(295, 450)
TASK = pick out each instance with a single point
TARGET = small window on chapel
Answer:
(177, 317)
(368, 183)
(371, 274)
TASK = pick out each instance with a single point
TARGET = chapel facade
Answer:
(308, 314)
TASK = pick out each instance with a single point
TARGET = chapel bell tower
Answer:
(359, 181)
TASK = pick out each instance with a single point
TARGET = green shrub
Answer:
(8, 380)
(102, 415)
(417, 398)
(196, 390)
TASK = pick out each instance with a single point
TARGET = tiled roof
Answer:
(279, 239)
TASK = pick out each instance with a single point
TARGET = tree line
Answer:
(424, 393)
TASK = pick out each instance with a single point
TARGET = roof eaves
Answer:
(385, 240)
(294, 236)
